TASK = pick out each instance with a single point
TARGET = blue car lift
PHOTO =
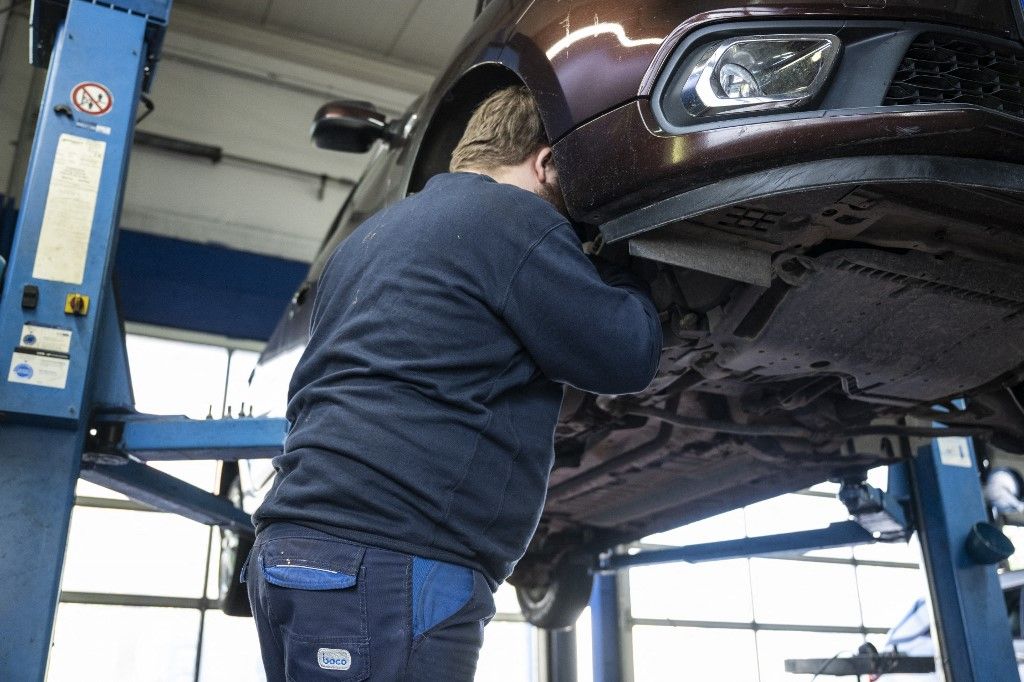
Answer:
(936, 493)
(66, 404)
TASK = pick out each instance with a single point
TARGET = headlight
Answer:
(757, 73)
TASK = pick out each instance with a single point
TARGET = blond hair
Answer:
(503, 131)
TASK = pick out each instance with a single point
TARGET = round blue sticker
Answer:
(29, 339)
(23, 370)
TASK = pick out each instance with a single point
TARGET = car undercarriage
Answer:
(804, 335)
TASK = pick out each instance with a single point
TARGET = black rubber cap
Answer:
(986, 544)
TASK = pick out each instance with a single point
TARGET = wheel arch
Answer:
(449, 118)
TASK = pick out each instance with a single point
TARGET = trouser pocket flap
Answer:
(311, 564)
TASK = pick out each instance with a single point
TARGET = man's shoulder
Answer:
(476, 193)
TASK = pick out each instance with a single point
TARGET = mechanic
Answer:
(423, 410)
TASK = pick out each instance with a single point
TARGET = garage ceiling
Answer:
(418, 32)
(245, 76)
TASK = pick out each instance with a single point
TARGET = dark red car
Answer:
(827, 198)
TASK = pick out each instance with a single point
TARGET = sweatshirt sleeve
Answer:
(580, 330)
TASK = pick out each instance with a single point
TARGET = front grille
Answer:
(941, 69)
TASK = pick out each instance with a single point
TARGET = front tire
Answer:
(559, 603)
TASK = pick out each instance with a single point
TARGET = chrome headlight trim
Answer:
(702, 98)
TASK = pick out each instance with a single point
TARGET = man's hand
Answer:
(594, 247)
(600, 251)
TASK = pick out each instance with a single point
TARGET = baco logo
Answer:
(334, 659)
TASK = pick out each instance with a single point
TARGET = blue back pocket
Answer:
(311, 564)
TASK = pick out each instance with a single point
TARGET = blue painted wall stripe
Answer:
(185, 285)
(202, 287)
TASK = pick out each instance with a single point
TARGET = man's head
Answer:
(505, 139)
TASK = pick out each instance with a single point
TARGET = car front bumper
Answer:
(900, 90)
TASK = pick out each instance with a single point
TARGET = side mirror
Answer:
(348, 126)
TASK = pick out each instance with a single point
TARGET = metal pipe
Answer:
(203, 608)
(558, 655)
(176, 145)
(841, 534)
(778, 431)
(217, 154)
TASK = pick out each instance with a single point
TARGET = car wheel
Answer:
(559, 603)
(234, 548)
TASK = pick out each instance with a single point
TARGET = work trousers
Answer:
(328, 609)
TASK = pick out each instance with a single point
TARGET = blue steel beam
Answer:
(841, 534)
(113, 386)
(48, 16)
(605, 624)
(974, 636)
(168, 438)
(168, 493)
(38, 471)
(66, 230)
(63, 244)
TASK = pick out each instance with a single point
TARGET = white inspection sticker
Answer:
(70, 208)
(49, 370)
(955, 452)
(40, 337)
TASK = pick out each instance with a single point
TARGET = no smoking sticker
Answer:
(92, 98)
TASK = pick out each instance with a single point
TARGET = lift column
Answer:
(56, 299)
(612, 645)
(960, 550)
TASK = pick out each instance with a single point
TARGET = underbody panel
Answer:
(889, 327)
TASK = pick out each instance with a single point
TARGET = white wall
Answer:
(254, 94)
(249, 91)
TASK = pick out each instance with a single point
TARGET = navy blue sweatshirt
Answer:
(424, 406)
